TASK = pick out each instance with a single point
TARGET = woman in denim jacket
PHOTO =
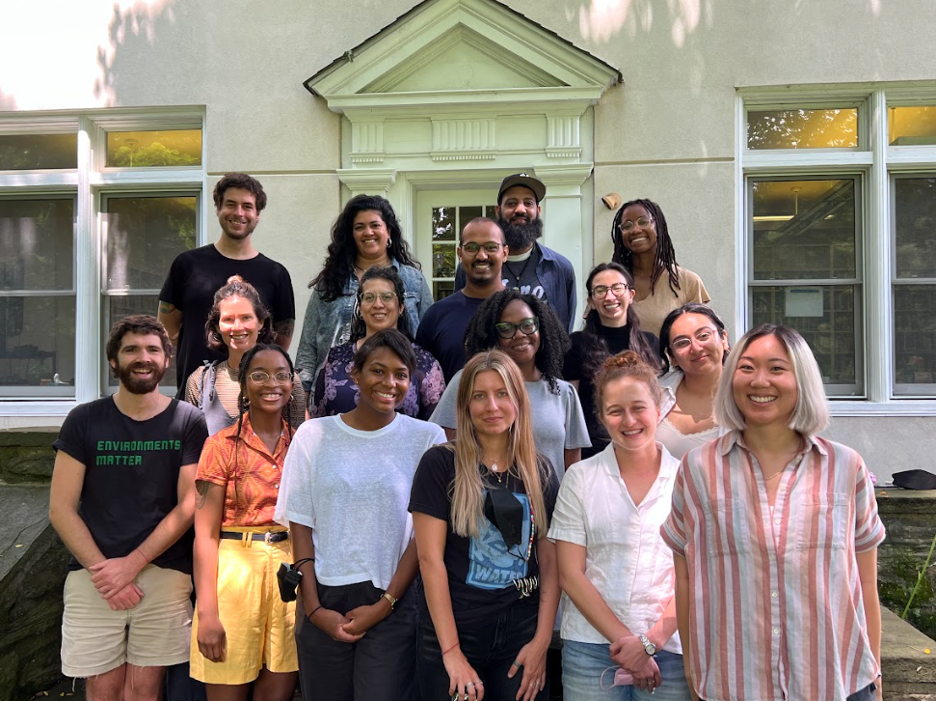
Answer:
(366, 234)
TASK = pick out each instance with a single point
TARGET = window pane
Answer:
(915, 224)
(443, 224)
(825, 316)
(36, 250)
(120, 306)
(466, 214)
(803, 129)
(804, 229)
(915, 337)
(443, 260)
(911, 126)
(174, 147)
(442, 288)
(32, 151)
(37, 345)
(144, 235)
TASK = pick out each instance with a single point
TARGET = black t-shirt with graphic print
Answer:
(481, 570)
(132, 473)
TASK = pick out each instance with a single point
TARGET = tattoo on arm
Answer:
(284, 327)
(166, 307)
(201, 487)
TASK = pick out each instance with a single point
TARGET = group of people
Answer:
(450, 482)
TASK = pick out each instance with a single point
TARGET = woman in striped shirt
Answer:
(775, 533)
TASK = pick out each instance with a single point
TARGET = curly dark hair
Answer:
(554, 342)
(665, 253)
(244, 182)
(390, 274)
(342, 251)
(237, 287)
(142, 324)
(243, 405)
(595, 349)
(688, 308)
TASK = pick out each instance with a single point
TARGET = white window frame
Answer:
(91, 182)
(875, 162)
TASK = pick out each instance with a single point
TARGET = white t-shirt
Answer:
(558, 420)
(626, 558)
(352, 488)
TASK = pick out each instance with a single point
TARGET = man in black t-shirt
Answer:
(195, 276)
(123, 501)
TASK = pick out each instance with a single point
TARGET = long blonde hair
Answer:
(467, 489)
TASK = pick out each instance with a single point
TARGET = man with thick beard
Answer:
(531, 268)
(122, 501)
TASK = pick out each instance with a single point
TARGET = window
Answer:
(840, 234)
(93, 209)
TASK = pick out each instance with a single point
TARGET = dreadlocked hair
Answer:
(665, 253)
(594, 346)
(243, 403)
(553, 340)
(342, 251)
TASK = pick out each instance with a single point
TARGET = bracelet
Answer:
(450, 648)
(309, 616)
(142, 554)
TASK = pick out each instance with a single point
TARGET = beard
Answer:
(520, 237)
(135, 385)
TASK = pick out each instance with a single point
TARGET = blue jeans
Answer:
(490, 647)
(584, 663)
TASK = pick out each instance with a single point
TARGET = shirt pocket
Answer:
(823, 522)
(727, 528)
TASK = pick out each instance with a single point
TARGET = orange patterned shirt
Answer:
(247, 471)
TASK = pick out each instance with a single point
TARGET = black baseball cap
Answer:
(527, 181)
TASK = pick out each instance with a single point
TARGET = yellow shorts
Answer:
(258, 625)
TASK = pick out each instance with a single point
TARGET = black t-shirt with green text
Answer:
(132, 473)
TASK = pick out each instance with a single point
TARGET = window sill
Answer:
(893, 408)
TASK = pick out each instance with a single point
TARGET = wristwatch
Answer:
(648, 645)
(390, 598)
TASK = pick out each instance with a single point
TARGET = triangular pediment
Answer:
(457, 52)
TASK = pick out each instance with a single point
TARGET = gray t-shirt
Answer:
(352, 488)
(558, 420)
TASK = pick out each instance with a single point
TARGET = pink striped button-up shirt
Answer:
(776, 608)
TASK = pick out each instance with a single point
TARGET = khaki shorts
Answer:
(96, 639)
(259, 627)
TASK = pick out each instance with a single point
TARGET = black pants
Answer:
(490, 647)
(381, 666)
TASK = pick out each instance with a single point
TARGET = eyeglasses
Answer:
(703, 336)
(599, 291)
(472, 249)
(506, 330)
(386, 297)
(261, 377)
(642, 222)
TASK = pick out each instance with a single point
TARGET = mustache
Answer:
(521, 235)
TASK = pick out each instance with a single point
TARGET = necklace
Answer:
(360, 271)
(522, 270)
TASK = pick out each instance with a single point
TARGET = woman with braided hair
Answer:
(243, 632)
(643, 246)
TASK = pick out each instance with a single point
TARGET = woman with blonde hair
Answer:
(774, 532)
(481, 507)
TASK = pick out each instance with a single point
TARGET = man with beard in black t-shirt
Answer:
(123, 501)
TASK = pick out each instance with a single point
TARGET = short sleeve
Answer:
(196, 432)
(445, 414)
(568, 519)
(425, 330)
(215, 462)
(294, 502)
(434, 475)
(576, 435)
(425, 295)
(193, 387)
(869, 529)
(71, 435)
(695, 291)
(673, 530)
(572, 367)
(284, 301)
(550, 487)
(171, 290)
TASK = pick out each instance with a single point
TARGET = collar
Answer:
(736, 438)
(250, 437)
(523, 256)
(668, 464)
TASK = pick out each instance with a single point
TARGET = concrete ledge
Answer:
(908, 672)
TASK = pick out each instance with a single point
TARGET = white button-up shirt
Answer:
(626, 559)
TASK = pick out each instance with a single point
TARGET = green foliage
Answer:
(896, 585)
(154, 154)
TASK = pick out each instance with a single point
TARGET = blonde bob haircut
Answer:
(811, 413)
(467, 490)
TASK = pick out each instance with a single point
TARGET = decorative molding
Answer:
(374, 181)
(564, 180)
(367, 142)
(564, 136)
(464, 139)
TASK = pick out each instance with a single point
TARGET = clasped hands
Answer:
(113, 578)
(628, 652)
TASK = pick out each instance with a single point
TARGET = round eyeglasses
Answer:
(507, 330)
(262, 376)
(599, 291)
